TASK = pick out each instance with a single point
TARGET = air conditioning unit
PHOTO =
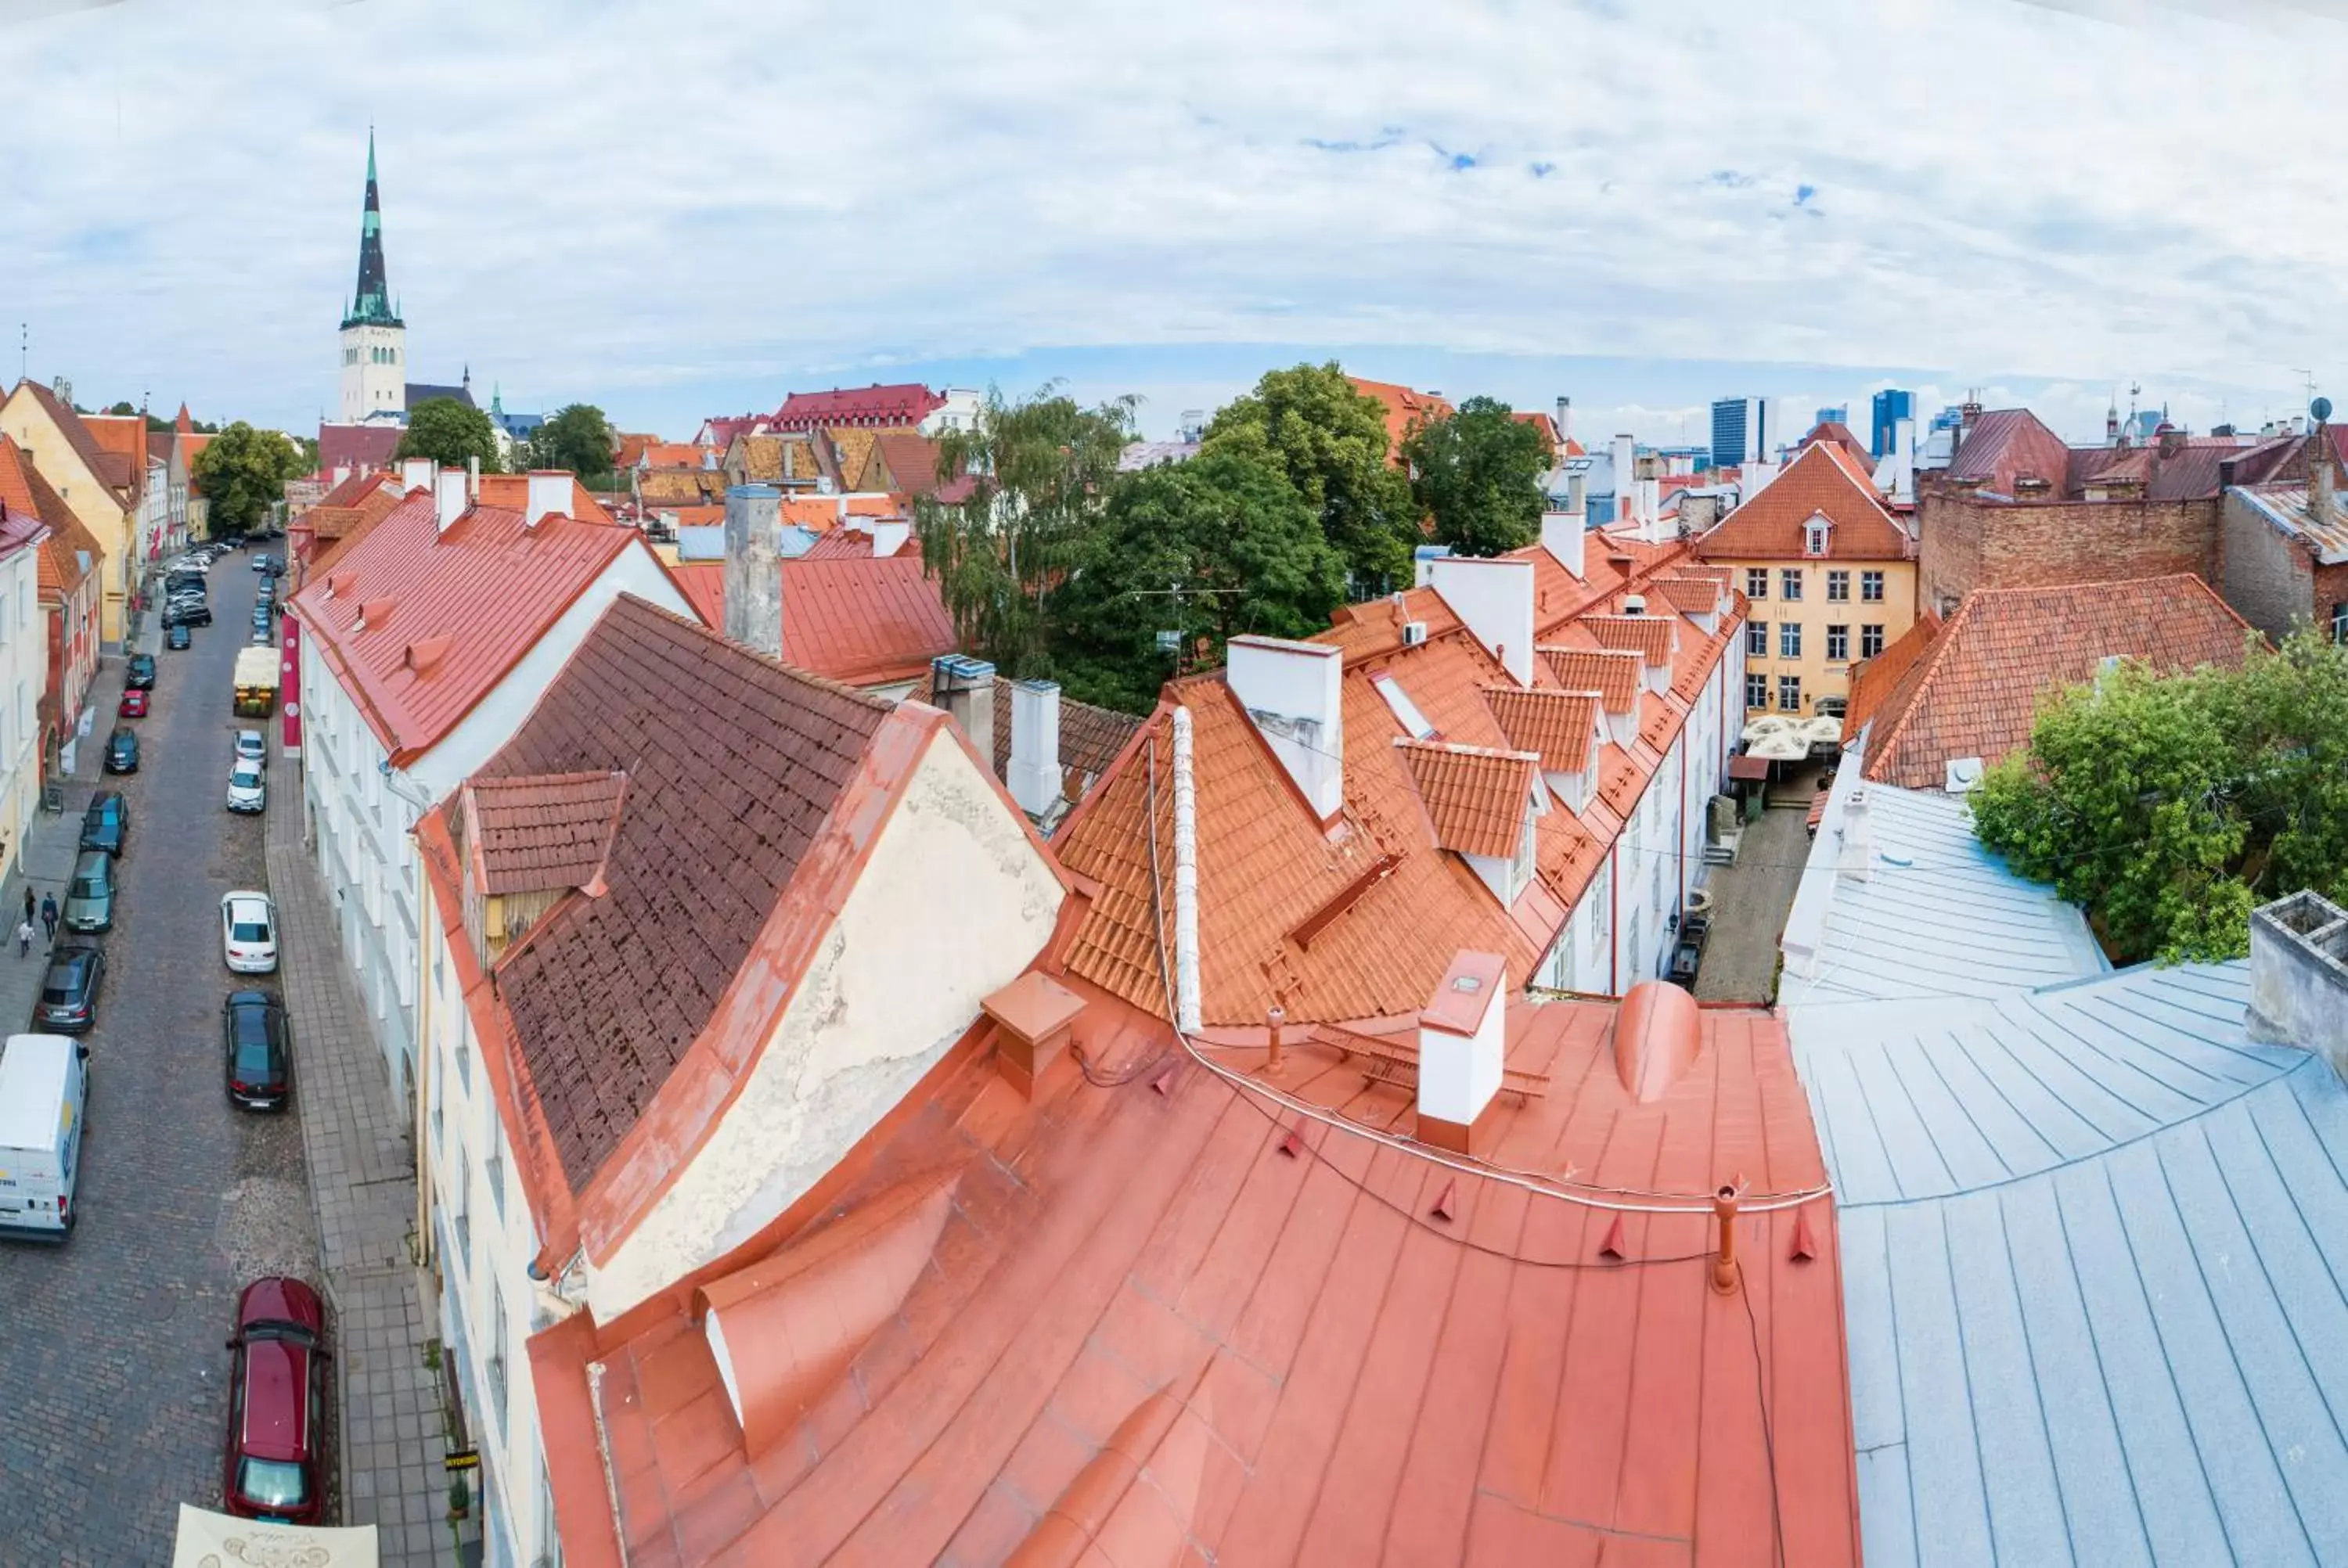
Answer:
(1413, 632)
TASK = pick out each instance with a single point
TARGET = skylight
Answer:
(1405, 712)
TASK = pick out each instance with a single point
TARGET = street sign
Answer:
(464, 1459)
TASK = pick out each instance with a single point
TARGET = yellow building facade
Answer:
(76, 466)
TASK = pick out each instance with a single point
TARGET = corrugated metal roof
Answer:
(2286, 507)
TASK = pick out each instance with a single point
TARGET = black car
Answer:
(69, 990)
(258, 1043)
(142, 671)
(107, 823)
(122, 751)
(176, 637)
(187, 612)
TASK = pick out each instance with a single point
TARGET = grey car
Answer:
(89, 897)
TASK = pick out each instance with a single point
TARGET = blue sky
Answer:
(686, 208)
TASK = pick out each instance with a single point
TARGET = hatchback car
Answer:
(89, 897)
(141, 670)
(133, 704)
(69, 990)
(248, 792)
(107, 823)
(250, 746)
(249, 932)
(176, 637)
(272, 1465)
(256, 1041)
(122, 751)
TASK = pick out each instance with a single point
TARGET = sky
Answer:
(689, 206)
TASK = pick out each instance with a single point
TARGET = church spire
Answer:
(372, 304)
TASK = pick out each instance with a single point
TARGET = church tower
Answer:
(374, 340)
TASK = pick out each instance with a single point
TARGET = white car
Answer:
(248, 790)
(249, 932)
(250, 747)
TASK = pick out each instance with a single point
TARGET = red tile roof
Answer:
(356, 446)
(1403, 408)
(1613, 674)
(631, 449)
(1872, 681)
(529, 832)
(1649, 636)
(488, 582)
(123, 437)
(910, 460)
(1975, 690)
(904, 404)
(1835, 432)
(1559, 726)
(1147, 1327)
(1478, 799)
(68, 553)
(1817, 482)
(867, 622)
(2006, 445)
(674, 455)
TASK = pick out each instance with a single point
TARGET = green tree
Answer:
(1208, 549)
(1477, 475)
(449, 432)
(1330, 441)
(1041, 469)
(577, 437)
(243, 474)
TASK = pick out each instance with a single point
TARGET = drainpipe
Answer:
(426, 920)
(1614, 918)
(1185, 880)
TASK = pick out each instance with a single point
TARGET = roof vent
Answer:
(1963, 776)
(2299, 975)
(373, 613)
(1634, 604)
(428, 651)
(1413, 632)
(1657, 1034)
(339, 584)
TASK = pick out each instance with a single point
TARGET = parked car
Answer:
(133, 704)
(271, 1467)
(69, 990)
(122, 751)
(141, 670)
(107, 823)
(195, 613)
(249, 932)
(89, 897)
(263, 563)
(248, 790)
(259, 634)
(256, 1041)
(176, 636)
(250, 746)
(1687, 952)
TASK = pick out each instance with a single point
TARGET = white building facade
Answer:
(24, 677)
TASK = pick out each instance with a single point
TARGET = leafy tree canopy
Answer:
(243, 473)
(2169, 807)
(1208, 549)
(1477, 475)
(1041, 469)
(577, 437)
(1330, 442)
(448, 432)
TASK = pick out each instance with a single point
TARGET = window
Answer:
(2340, 623)
(1789, 639)
(1838, 644)
(465, 1054)
(1870, 587)
(1757, 639)
(495, 1170)
(1838, 586)
(1789, 583)
(1756, 692)
(1871, 641)
(460, 1223)
(1756, 582)
(497, 1354)
(1631, 947)
(1814, 538)
(1790, 694)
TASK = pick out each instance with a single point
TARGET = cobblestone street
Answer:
(1750, 902)
(113, 1361)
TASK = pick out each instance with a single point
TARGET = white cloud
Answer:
(654, 205)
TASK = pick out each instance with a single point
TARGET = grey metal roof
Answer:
(2094, 1242)
(1937, 915)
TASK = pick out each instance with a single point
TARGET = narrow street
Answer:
(113, 1358)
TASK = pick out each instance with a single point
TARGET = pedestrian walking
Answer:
(49, 914)
(23, 938)
(28, 904)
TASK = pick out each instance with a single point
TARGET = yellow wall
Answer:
(1815, 612)
(23, 419)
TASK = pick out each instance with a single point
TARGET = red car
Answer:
(274, 1467)
(134, 703)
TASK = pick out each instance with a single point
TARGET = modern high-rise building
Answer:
(1838, 415)
(1745, 430)
(1891, 407)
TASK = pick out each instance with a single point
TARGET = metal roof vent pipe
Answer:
(2298, 976)
(1724, 1263)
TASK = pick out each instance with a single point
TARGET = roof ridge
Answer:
(1921, 675)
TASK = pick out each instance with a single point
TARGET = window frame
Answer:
(1789, 686)
(1756, 582)
(1757, 639)
(1870, 632)
(1789, 639)
(1789, 584)
(1751, 677)
(1838, 643)
(1839, 585)
(1871, 588)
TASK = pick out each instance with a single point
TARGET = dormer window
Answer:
(1813, 535)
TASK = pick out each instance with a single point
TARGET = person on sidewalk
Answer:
(49, 914)
(28, 903)
(23, 938)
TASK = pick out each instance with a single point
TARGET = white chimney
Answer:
(473, 477)
(1035, 780)
(964, 688)
(342, 473)
(1561, 536)
(1623, 452)
(418, 474)
(550, 496)
(449, 492)
(1294, 692)
(1856, 861)
(1494, 599)
(1462, 1041)
(889, 536)
(1756, 477)
(1564, 424)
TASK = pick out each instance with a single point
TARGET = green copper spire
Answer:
(372, 305)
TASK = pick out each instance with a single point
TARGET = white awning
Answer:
(208, 1540)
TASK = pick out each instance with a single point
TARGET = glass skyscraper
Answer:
(1891, 407)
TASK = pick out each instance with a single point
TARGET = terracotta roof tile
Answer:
(852, 449)
(1770, 526)
(1403, 408)
(1613, 674)
(674, 455)
(1690, 595)
(512, 491)
(1090, 739)
(1558, 727)
(1649, 636)
(356, 445)
(904, 404)
(680, 485)
(908, 462)
(70, 553)
(106, 468)
(123, 439)
(760, 456)
(1975, 689)
(848, 617)
(1872, 681)
(1478, 800)
(533, 833)
(633, 446)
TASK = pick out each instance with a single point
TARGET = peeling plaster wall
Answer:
(954, 902)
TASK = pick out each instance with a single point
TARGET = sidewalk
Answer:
(361, 1179)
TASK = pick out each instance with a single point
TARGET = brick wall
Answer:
(2269, 575)
(1969, 543)
(2330, 588)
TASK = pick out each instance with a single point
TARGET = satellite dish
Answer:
(2321, 408)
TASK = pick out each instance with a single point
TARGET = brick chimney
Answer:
(753, 575)
(1462, 1037)
(2323, 481)
(2298, 976)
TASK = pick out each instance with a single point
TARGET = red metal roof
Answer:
(356, 445)
(488, 582)
(867, 622)
(1153, 1327)
(902, 403)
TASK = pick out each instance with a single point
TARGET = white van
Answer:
(44, 1098)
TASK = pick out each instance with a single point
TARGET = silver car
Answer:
(248, 790)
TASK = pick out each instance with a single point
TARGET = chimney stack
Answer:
(449, 493)
(1462, 1040)
(1035, 780)
(1564, 424)
(1294, 695)
(1494, 599)
(418, 474)
(964, 688)
(1626, 484)
(2298, 976)
(342, 473)
(472, 478)
(889, 536)
(1563, 533)
(2322, 501)
(549, 495)
(754, 573)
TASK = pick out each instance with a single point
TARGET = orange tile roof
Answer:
(1690, 595)
(632, 447)
(488, 582)
(512, 492)
(1649, 636)
(104, 467)
(1819, 480)
(1559, 726)
(1613, 674)
(1404, 408)
(1873, 680)
(1477, 798)
(1146, 1327)
(123, 437)
(1975, 690)
(674, 455)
